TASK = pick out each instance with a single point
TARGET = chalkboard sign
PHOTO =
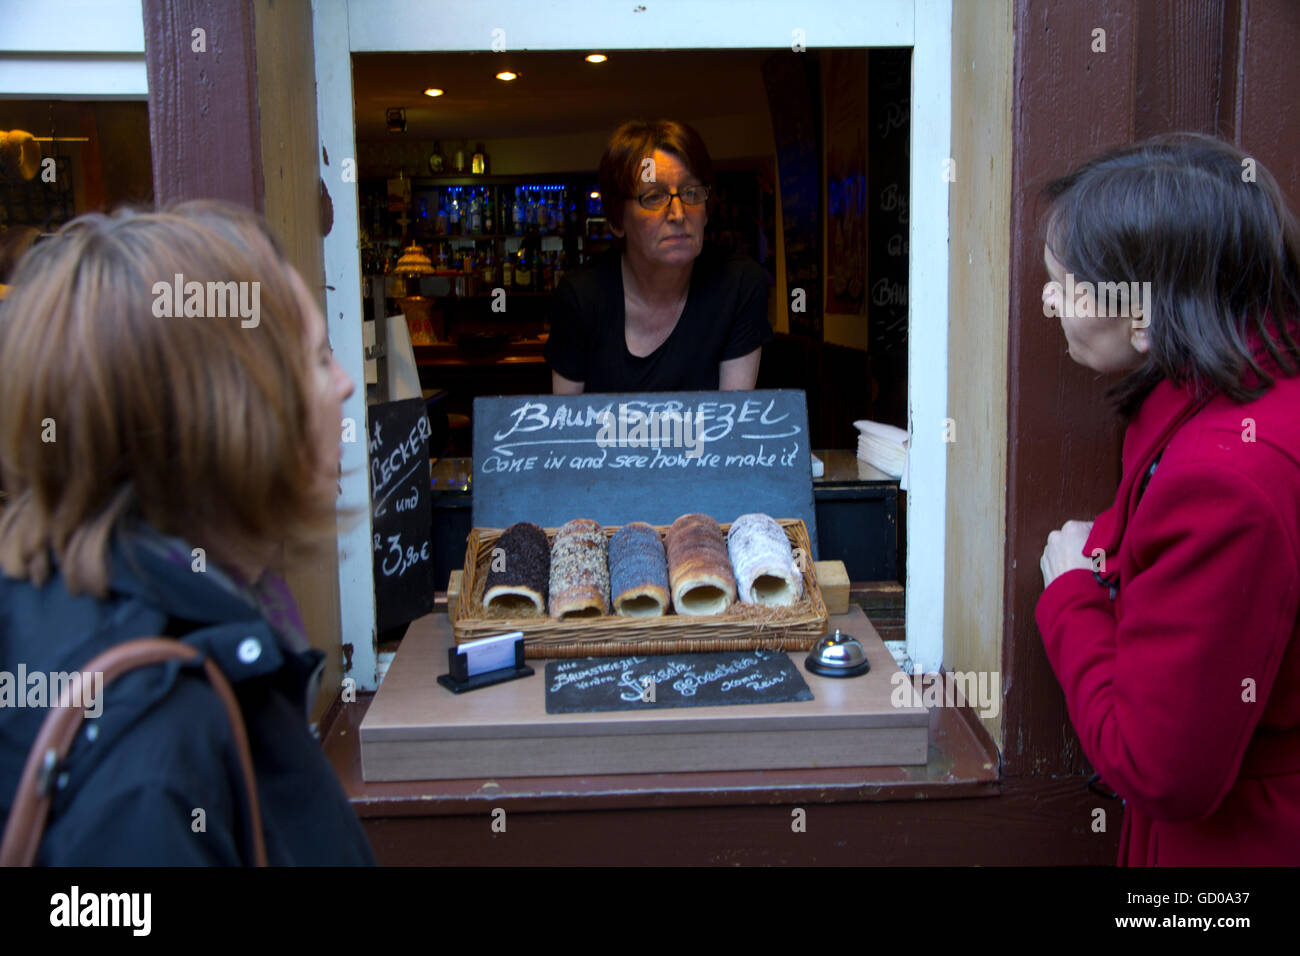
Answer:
(672, 680)
(642, 457)
(889, 114)
(400, 511)
(794, 98)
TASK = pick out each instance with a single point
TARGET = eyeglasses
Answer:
(657, 199)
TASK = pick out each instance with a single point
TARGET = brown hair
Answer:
(635, 140)
(198, 425)
(1219, 246)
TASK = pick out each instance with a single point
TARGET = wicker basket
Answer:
(740, 628)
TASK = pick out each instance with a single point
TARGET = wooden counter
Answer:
(954, 809)
(417, 729)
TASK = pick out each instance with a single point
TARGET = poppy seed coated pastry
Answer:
(519, 572)
(698, 566)
(763, 562)
(579, 573)
(638, 571)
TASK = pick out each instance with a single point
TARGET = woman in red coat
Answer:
(1173, 620)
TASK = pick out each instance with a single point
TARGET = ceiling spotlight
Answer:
(596, 58)
(507, 75)
(434, 91)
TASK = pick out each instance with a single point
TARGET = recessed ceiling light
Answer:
(596, 58)
(506, 75)
(433, 91)
(594, 195)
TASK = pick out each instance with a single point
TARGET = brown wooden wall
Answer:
(1215, 66)
(236, 120)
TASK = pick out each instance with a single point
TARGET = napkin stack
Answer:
(884, 447)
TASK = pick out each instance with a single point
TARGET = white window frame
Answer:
(344, 27)
(70, 50)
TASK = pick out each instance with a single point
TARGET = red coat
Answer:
(1158, 680)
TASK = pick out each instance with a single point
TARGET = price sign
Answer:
(400, 511)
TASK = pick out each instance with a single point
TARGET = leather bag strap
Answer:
(31, 805)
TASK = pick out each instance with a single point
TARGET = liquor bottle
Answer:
(488, 270)
(475, 213)
(523, 269)
(458, 163)
(478, 164)
(453, 214)
(559, 267)
(507, 272)
(517, 212)
(440, 223)
(548, 272)
(436, 161)
(489, 213)
(542, 213)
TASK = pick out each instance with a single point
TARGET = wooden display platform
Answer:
(417, 730)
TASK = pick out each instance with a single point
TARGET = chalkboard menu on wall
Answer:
(400, 511)
(889, 133)
(642, 457)
(845, 84)
(792, 95)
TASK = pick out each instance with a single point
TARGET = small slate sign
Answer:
(400, 511)
(650, 457)
(672, 680)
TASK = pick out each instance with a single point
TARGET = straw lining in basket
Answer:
(741, 627)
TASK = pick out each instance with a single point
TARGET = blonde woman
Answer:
(159, 448)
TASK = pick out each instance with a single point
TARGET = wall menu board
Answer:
(889, 113)
(846, 180)
(793, 95)
(642, 457)
(400, 511)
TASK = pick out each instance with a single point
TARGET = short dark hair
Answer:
(1219, 246)
(620, 165)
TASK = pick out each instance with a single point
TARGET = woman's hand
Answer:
(1064, 551)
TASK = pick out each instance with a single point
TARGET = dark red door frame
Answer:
(203, 116)
(1204, 65)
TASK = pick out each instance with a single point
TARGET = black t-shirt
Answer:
(725, 317)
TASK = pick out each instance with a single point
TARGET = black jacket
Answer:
(154, 778)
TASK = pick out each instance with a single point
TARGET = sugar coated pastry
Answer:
(638, 571)
(519, 571)
(763, 562)
(698, 566)
(579, 573)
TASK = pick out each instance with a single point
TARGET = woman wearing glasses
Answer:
(664, 310)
